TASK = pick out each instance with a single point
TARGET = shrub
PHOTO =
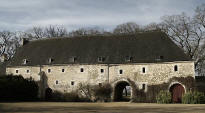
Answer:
(140, 96)
(163, 97)
(56, 96)
(103, 93)
(86, 91)
(193, 98)
(67, 97)
(16, 88)
(71, 97)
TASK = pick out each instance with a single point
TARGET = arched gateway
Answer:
(122, 91)
(177, 90)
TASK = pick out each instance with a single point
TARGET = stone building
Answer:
(147, 62)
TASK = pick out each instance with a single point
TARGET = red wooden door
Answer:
(177, 91)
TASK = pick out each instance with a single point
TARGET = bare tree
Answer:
(55, 31)
(152, 27)
(87, 31)
(9, 42)
(187, 34)
(38, 32)
(127, 28)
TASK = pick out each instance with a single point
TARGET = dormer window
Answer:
(159, 58)
(128, 58)
(50, 60)
(72, 59)
(25, 61)
(101, 59)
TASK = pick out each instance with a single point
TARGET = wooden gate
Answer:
(177, 91)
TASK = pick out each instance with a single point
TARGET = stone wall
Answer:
(155, 73)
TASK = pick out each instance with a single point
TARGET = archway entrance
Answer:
(122, 91)
(177, 91)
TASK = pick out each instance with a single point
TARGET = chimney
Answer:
(3, 57)
(24, 41)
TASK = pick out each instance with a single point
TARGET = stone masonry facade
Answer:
(66, 78)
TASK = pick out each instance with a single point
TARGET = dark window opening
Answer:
(161, 57)
(27, 71)
(102, 70)
(56, 81)
(143, 86)
(49, 70)
(143, 70)
(17, 71)
(81, 69)
(121, 71)
(175, 68)
(63, 70)
(72, 83)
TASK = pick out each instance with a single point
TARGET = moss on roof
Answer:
(143, 48)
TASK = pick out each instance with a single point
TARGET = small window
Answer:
(56, 81)
(81, 70)
(72, 83)
(101, 59)
(143, 70)
(63, 70)
(143, 86)
(27, 71)
(175, 68)
(17, 71)
(49, 70)
(102, 70)
(121, 71)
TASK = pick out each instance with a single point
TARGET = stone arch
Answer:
(118, 87)
(177, 90)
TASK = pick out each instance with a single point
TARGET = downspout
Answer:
(108, 72)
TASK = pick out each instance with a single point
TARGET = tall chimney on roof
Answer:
(23, 41)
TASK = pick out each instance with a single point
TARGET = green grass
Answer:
(117, 107)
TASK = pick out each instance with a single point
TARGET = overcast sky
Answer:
(18, 15)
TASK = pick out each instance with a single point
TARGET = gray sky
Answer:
(18, 15)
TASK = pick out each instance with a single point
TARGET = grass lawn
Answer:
(116, 107)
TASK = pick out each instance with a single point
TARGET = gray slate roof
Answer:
(143, 48)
